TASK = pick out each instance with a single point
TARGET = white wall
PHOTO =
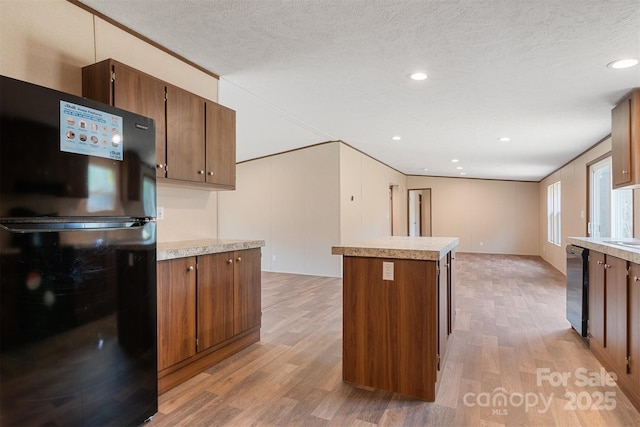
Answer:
(364, 198)
(487, 216)
(300, 203)
(291, 201)
(48, 43)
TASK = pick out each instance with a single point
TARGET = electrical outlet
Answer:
(160, 213)
(481, 243)
(273, 258)
(387, 271)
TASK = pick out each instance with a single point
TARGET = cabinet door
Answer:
(634, 325)
(621, 143)
(116, 84)
(144, 95)
(185, 135)
(247, 286)
(221, 145)
(215, 299)
(597, 298)
(625, 141)
(176, 311)
(616, 311)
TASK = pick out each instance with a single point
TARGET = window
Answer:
(610, 211)
(553, 213)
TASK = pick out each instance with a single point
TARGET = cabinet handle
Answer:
(624, 172)
(200, 172)
(210, 173)
(229, 261)
(239, 259)
(190, 268)
(160, 166)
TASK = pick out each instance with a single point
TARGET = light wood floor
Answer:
(510, 323)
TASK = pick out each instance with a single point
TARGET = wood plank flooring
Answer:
(510, 331)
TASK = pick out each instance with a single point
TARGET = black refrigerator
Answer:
(77, 261)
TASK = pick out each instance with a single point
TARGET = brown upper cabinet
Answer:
(195, 137)
(185, 134)
(625, 141)
(221, 145)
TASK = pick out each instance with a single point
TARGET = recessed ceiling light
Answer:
(623, 63)
(459, 167)
(396, 138)
(418, 76)
(454, 160)
(504, 139)
(425, 169)
(463, 173)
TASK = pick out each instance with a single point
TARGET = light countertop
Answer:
(399, 247)
(629, 252)
(187, 248)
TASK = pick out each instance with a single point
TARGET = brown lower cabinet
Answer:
(208, 309)
(396, 331)
(614, 319)
(633, 374)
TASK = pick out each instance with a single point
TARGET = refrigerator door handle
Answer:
(37, 227)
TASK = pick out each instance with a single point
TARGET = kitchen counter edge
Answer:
(628, 253)
(400, 247)
(183, 249)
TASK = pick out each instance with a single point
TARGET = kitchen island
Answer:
(398, 312)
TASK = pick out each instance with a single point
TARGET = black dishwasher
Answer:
(578, 288)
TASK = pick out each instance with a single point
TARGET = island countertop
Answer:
(187, 248)
(399, 247)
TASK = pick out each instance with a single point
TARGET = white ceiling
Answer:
(300, 72)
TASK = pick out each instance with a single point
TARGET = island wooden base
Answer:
(180, 372)
(395, 331)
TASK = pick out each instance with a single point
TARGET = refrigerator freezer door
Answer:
(66, 156)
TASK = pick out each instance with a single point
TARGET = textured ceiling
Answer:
(299, 72)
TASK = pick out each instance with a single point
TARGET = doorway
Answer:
(419, 212)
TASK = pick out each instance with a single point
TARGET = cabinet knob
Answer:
(600, 262)
(239, 259)
(636, 279)
(160, 166)
(190, 268)
(200, 172)
(624, 172)
(229, 261)
(210, 173)
(607, 266)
